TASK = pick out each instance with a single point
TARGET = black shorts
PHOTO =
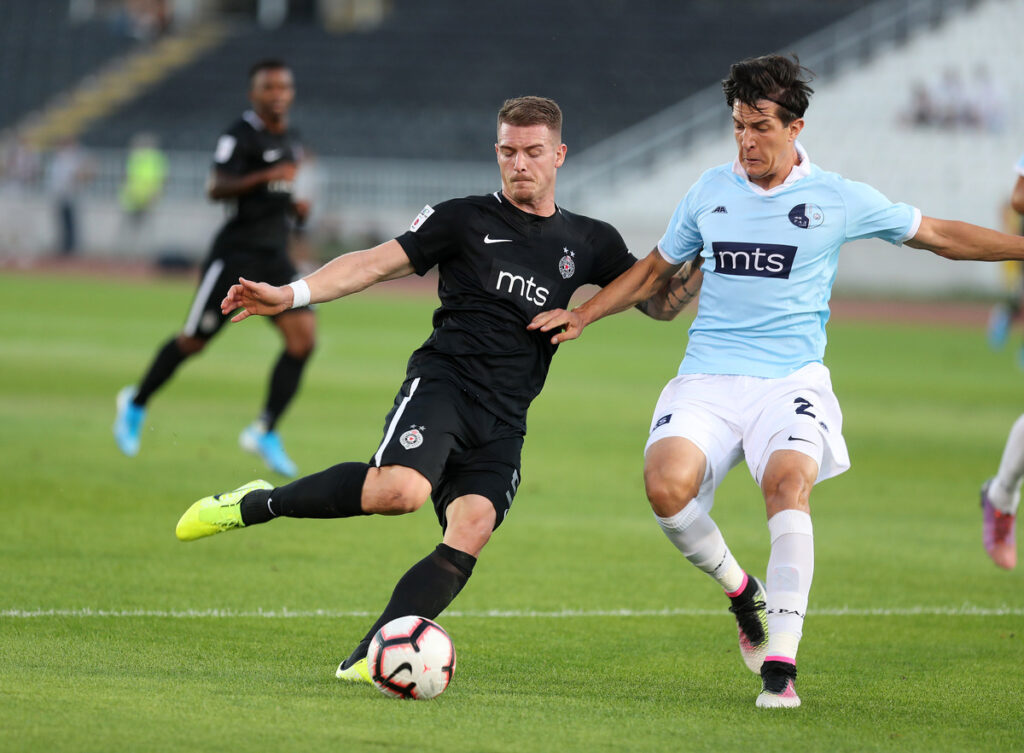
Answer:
(461, 448)
(219, 273)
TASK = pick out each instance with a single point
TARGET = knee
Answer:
(394, 491)
(189, 345)
(787, 491)
(302, 350)
(670, 488)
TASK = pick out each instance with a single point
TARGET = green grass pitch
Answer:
(582, 628)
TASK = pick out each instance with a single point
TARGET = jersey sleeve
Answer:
(432, 236)
(1020, 166)
(869, 214)
(682, 239)
(229, 155)
(613, 257)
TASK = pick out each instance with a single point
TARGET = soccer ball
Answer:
(411, 657)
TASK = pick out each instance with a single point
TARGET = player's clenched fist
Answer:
(255, 298)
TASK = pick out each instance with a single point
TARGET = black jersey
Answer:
(259, 220)
(498, 268)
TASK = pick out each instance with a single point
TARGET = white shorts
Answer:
(731, 418)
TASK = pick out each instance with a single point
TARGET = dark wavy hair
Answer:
(777, 78)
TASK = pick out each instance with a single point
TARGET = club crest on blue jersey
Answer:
(753, 259)
(566, 265)
(411, 439)
(806, 216)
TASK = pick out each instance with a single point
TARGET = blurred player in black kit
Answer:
(455, 432)
(254, 168)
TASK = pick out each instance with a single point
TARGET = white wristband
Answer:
(300, 292)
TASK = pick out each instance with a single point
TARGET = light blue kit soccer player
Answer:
(766, 230)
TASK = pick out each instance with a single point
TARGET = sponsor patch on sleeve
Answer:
(663, 420)
(421, 218)
(225, 148)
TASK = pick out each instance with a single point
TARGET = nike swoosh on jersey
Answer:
(272, 155)
(489, 239)
(800, 439)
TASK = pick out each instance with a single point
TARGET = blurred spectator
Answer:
(949, 103)
(950, 99)
(922, 108)
(20, 164)
(144, 20)
(70, 169)
(145, 173)
(986, 103)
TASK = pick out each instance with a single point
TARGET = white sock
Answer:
(790, 571)
(1004, 491)
(695, 534)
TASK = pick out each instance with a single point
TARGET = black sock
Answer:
(284, 383)
(334, 493)
(166, 362)
(425, 590)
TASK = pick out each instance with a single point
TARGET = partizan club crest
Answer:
(412, 439)
(566, 265)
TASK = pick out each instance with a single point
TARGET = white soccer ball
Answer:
(411, 657)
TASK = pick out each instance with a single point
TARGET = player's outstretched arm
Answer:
(962, 240)
(339, 277)
(638, 283)
(677, 292)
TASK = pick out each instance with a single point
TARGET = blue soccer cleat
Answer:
(128, 422)
(267, 444)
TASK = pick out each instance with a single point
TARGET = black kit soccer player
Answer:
(455, 432)
(254, 168)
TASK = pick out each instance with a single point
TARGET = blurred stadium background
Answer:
(396, 99)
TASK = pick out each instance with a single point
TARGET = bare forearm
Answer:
(357, 271)
(961, 240)
(640, 283)
(675, 295)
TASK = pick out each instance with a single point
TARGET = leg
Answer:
(1000, 497)
(298, 328)
(786, 483)
(342, 491)
(430, 585)
(680, 488)
(131, 401)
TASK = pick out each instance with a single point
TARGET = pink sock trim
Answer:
(783, 659)
(738, 591)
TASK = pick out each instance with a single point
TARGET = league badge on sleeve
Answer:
(421, 218)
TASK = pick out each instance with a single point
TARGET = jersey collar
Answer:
(250, 117)
(800, 170)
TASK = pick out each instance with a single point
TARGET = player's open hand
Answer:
(255, 298)
(567, 325)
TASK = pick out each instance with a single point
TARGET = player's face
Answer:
(271, 93)
(765, 145)
(529, 157)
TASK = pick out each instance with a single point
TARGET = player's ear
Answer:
(560, 154)
(795, 127)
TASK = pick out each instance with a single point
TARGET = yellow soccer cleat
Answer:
(358, 672)
(211, 515)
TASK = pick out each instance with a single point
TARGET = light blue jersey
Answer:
(770, 258)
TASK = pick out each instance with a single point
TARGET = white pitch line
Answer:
(964, 610)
